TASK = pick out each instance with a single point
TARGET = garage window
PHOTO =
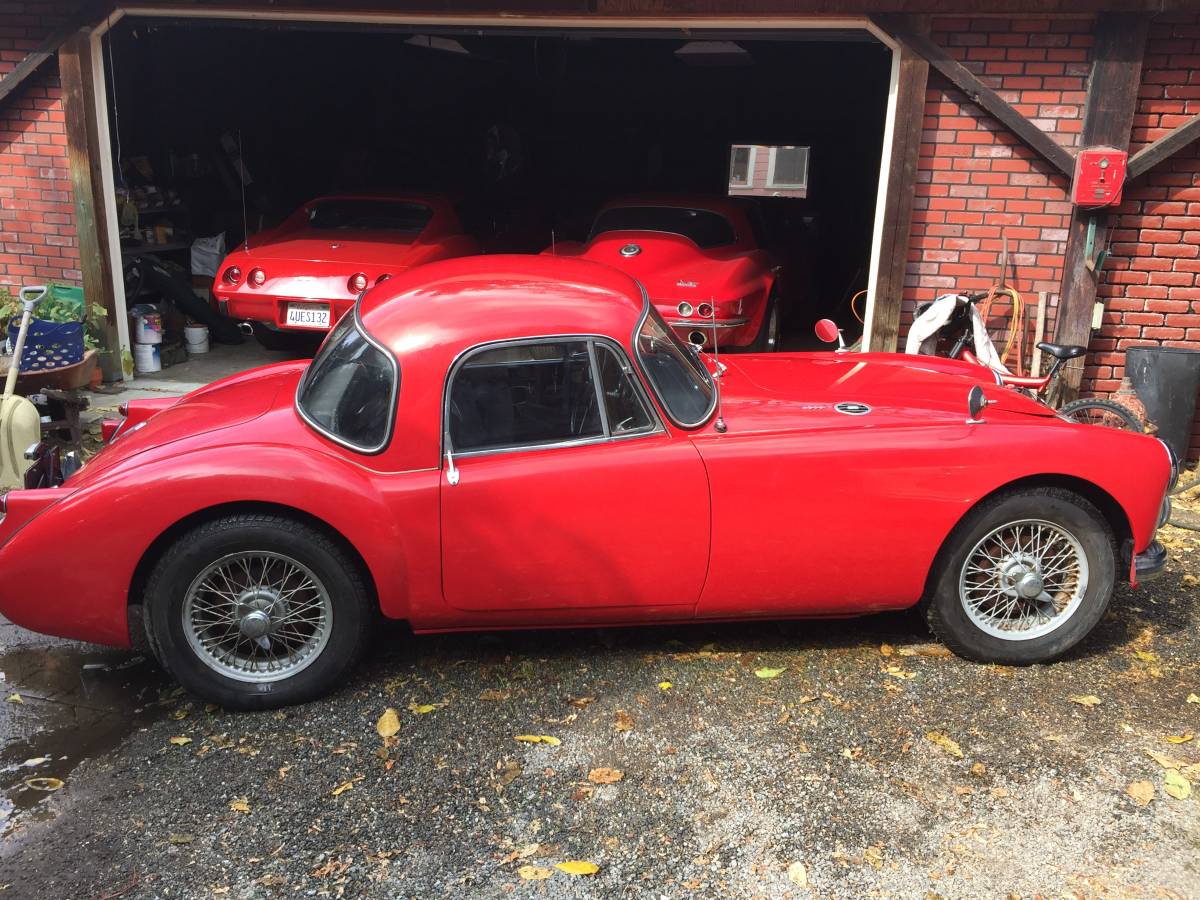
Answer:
(348, 391)
(701, 226)
(788, 169)
(377, 215)
(741, 166)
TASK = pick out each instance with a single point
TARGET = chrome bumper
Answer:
(701, 324)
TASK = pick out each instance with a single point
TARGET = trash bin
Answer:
(1167, 380)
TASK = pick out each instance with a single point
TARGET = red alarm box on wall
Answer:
(1099, 176)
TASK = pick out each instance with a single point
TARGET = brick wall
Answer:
(1152, 287)
(977, 182)
(37, 216)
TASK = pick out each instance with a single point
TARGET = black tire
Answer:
(945, 610)
(767, 340)
(1101, 412)
(353, 617)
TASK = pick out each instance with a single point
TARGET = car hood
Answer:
(670, 267)
(223, 404)
(357, 248)
(765, 392)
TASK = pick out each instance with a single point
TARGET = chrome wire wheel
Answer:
(1023, 580)
(257, 616)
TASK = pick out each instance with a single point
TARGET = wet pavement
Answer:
(806, 759)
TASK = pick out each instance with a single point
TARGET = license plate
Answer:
(307, 315)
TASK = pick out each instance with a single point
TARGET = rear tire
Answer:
(767, 340)
(256, 611)
(1101, 412)
(981, 602)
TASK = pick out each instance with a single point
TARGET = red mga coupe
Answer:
(523, 442)
(700, 261)
(303, 275)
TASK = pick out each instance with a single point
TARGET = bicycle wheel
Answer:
(1101, 412)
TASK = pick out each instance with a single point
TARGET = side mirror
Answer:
(976, 404)
(828, 331)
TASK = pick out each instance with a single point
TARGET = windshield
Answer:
(676, 373)
(375, 215)
(701, 226)
(348, 392)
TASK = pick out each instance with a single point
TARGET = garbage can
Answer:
(1167, 380)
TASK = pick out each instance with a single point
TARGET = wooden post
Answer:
(91, 218)
(898, 207)
(1111, 103)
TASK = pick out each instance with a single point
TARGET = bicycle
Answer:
(1092, 411)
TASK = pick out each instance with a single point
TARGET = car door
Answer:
(562, 489)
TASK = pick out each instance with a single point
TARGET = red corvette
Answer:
(305, 274)
(700, 261)
(522, 442)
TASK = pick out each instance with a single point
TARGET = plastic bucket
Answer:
(146, 358)
(147, 329)
(196, 338)
(1167, 380)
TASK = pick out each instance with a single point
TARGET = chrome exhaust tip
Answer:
(246, 328)
(696, 337)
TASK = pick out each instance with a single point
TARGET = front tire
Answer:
(1024, 578)
(256, 611)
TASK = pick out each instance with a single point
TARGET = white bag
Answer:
(207, 253)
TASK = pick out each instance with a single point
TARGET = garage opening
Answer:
(224, 127)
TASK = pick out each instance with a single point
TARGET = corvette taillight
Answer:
(357, 283)
(685, 308)
(704, 310)
(257, 277)
(233, 275)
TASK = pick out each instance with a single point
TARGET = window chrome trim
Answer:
(462, 358)
(393, 398)
(716, 388)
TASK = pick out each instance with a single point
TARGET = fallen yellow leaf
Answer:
(44, 783)
(1178, 738)
(1176, 785)
(241, 805)
(342, 788)
(15, 698)
(797, 874)
(1193, 698)
(885, 650)
(873, 856)
(665, 685)
(534, 873)
(388, 724)
(179, 741)
(1085, 699)
(421, 709)
(899, 672)
(179, 838)
(1141, 792)
(538, 739)
(605, 775)
(766, 672)
(944, 741)
(1146, 655)
(577, 867)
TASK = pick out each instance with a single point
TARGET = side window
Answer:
(524, 394)
(622, 401)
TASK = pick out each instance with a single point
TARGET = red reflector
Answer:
(257, 277)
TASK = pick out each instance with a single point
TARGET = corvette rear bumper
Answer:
(271, 310)
(729, 332)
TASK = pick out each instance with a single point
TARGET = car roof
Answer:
(449, 306)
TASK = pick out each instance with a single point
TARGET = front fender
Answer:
(102, 531)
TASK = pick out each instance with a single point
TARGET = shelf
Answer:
(142, 249)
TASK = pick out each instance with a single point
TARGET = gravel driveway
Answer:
(834, 759)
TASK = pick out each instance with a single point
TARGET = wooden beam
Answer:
(980, 94)
(91, 218)
(898, 207)
(46, 49)
(1120, 43)
(1166, 146)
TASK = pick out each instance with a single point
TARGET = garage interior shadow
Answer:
(529, 133)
